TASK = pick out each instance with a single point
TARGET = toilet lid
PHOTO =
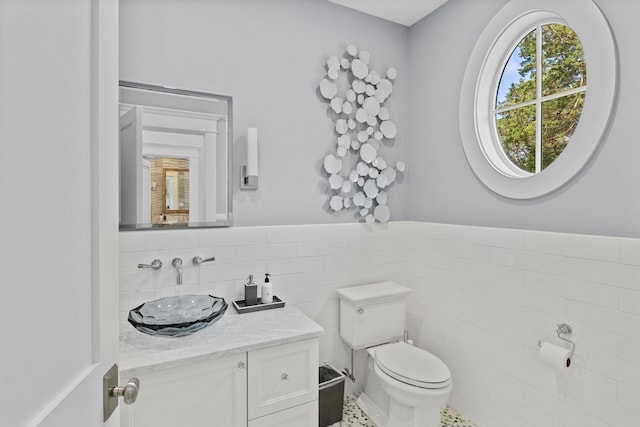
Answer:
(412, 365)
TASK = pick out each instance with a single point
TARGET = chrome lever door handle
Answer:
(198, 259)
(156, 264)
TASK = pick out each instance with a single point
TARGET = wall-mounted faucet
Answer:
(156, 264)
(198, 259)
(177, 263)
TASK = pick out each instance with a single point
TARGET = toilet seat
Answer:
(412, 365)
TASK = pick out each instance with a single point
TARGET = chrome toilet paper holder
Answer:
(563, 329)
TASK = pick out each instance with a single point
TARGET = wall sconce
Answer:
(249, 171)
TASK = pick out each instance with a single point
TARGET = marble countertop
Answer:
(233, 333)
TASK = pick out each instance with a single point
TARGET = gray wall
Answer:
(270, 56)
(603, 199)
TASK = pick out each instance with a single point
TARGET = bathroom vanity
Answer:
(251, 370)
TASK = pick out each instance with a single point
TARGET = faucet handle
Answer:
(156, 264)
(198, 259)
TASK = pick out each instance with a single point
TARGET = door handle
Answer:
(111, 391)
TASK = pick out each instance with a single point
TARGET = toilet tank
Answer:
(372, 314)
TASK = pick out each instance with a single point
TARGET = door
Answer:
(59, 230)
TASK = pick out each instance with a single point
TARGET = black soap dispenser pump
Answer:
(250, 291)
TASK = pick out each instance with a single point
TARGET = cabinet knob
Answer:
(241, 365)
(284, 377)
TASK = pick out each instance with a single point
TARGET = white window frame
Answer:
(481, 143)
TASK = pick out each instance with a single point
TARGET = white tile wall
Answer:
(307, 263)
(482, 298)
(488, 335)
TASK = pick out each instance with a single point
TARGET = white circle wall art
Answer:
(356, 94)
(381, 198)
(368, 153)
(335, 181)
(328, 89)
(382, 213)
(336, 203)
(332, 164)
(336, 105)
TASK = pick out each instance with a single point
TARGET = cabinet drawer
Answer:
(281, 377)
(305, 415)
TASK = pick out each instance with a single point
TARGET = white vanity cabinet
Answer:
(209, 393)
(270, 387)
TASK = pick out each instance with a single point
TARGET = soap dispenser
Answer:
(250, 291)
(267, 290)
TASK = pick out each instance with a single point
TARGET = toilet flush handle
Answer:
(360, 310)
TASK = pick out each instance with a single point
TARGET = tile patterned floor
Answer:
(354, 417)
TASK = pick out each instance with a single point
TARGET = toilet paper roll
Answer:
(554, 356)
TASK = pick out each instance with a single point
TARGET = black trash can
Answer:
(331, 395)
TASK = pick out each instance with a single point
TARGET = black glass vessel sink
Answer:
(178, 315)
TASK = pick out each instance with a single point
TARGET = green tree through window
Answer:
(540, 96)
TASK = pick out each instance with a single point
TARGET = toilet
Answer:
(404, 386)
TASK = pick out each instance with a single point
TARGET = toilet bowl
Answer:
(417, 383)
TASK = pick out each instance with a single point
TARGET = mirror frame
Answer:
(229, 186)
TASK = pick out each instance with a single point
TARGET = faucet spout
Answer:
(177, 263)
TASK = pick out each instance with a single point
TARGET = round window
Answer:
(528, 119)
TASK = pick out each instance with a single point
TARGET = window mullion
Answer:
(538, 99)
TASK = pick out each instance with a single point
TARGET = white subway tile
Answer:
(232, 236)
(533, 261)
(630, 251)
(356, 231)
(493, 272)
(264, 252)
(574, 245)
(438, 231)
(463, 250)
(294, 233)
(495, 237)
(294, 265)
(572, 289)
(533, 300)
(611, 412)
(630, 301)
(223, 254)
(601, 386)
(137, 241)
(609, 320)
(629, 350)
(234, 271)
(629, 397)
(623, 275)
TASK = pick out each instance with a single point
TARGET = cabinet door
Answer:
(281, 377)
(211, 393)
(299, 416)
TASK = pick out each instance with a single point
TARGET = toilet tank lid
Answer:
(373, 291)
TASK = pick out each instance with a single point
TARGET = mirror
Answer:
(175, 158)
